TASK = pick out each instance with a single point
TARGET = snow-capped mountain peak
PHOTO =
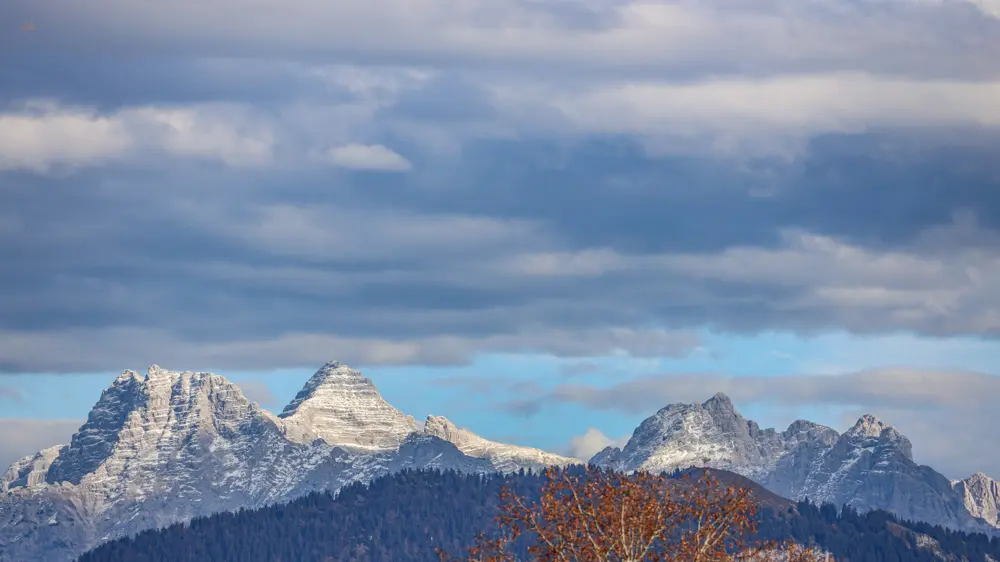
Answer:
(869, 431)
(342, 407)
(505, 458)
(708, 434)
(869, 466)
(169, 446)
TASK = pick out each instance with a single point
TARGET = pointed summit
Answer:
(342, 407)
(719, 402)
(682, 435)
(868, 426)
(870, 431)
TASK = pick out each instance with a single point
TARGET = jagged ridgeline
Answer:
(404, 517)
(166, 447)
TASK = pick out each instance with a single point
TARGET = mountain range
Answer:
(166, 447)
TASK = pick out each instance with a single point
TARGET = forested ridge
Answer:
(408, 515)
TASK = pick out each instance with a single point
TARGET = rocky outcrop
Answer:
(167, 446)
(870, 466)
(711, 434)
(30, 471)
(981, 496)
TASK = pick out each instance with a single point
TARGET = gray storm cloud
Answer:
(221, 191)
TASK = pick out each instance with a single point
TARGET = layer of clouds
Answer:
(949, 415)
(440, 290)
(582, 179)
(110, 349)
(917, 35)
(23, 437)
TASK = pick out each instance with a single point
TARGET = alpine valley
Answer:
(167, 447)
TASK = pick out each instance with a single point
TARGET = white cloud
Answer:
(41, 139)
(368, 157)
(592, 442)
(988, 7)
(44, 135)
(758, 116)
(210, 132)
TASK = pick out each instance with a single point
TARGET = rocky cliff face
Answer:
(166, 447)
(981, 496)
(868, 467)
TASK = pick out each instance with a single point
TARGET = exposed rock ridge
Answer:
(168, 446)
(870, 466)
(504, 458)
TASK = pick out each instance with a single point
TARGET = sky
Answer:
(542, 219)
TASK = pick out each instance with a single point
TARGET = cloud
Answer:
(258, 391)
(44, 135)
(116, 348)
(11, 394)
(583, 180)
(23, 437)
(988, 7)
(224, 268)
(657, 35)
(948, 414)
(37, 142)
(739, 116)
(368, 157)
(592, 442)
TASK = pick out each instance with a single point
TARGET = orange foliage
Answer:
(607, 516)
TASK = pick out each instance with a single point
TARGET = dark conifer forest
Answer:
(407, 516)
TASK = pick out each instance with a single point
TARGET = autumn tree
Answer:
(605, 516)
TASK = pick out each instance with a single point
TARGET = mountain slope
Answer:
(167, 446)
(710, 434)
(403, 517)
(504, 458)
(868, 467)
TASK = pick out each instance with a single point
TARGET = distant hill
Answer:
(403, 517)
